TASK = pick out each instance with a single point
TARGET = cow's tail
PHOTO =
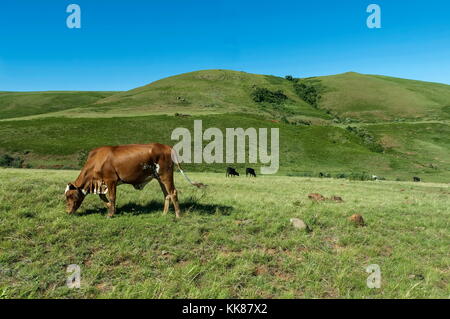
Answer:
(177, 162)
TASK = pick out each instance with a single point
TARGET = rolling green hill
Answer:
(381, 98)
(398, 128)
(18, 104)
(216, 91)
(201, 92)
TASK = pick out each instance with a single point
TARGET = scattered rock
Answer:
(357, 219)
(299, 224)
(417, 277)
(316, 197)
(243, 222)
(261, 270)
(337, 199)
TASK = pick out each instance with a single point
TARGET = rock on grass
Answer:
(299, 224)
(357, 220)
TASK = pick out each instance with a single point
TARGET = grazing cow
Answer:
(250, 171)
(231, 172)
(136, 164)
(416, 179)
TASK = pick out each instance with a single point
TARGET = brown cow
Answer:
(136, 164)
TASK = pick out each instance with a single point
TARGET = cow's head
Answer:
(74, 198)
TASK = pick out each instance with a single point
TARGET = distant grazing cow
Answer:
(250, 171)
(231, 172)
(135, 164)
(375, 178)
(416, 179)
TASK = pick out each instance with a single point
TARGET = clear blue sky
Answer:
(125, 44)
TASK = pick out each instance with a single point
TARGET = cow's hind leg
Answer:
(166, 197)
(175, 202)
(171, 195)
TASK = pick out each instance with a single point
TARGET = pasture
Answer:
(235, 239)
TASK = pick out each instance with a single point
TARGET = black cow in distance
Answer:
(250, 171)
(231, 172)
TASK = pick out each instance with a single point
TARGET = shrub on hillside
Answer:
(82, 157)
(263, 95)
(10, 161)
(308, 92)
(369, 140)
(360, 176)
(290, 78)
(301, 122)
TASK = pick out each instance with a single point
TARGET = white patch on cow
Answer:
(157, 168)
(67, 189)
(84, 192)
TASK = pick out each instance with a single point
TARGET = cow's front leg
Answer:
(105, 200)
(112, 199)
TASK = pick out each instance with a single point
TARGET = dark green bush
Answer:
(82, 157)
(263, 95)
(289, 78)
(10, 161)
(369, 140)
(360, 176)
(308, 92)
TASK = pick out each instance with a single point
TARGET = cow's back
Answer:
(124, 162)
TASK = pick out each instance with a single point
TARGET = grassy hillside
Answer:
(400, 128)
(59, 142)
(62, 137)
(201, 92)
(360, 97)
(426, 145)
(234, 240)
(211, 91)
(382, 98)
(53, 142)
(18, 104)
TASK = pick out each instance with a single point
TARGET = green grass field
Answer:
(234, 240)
